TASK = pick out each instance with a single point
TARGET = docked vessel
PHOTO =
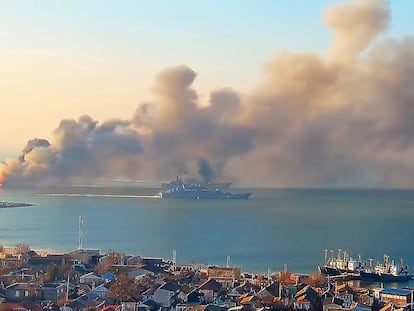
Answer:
(180, 190)
(345, 266)
(386, 272)
(343, 263)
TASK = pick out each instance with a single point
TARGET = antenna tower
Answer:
(174, 259)
(80, 232)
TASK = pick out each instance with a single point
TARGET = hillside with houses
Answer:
(86, 279)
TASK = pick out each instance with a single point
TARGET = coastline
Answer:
(10, 204)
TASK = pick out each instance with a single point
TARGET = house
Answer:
(166, 294)
(186, 307)
(345, 293)
(91, 278)
(88, 301)
(108, 277)
(308, 294)
(148, 294)
(210, 290)
(101, 291)
(195, 297)
(268, 294)
(153, 306)
(136, 274)
(302, 304)
(83, 289)
(332, 304)
(49, 260)
(53, 292)
(19, 292)
(224, 275)
(88, 257)
(131, 306)
(80, 269)
(399, 297)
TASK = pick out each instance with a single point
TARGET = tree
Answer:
(52, 274)
(316, 279)
(123, 289)
(107, 262)
(22, 249)
(284, 278)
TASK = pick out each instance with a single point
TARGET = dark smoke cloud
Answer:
(31, 144)
(344, 119)
(205, 170)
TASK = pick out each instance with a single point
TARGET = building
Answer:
(166, 294)
(53, 292)
(19, 292)
(397, 296)
(210, 290)
(224, 275)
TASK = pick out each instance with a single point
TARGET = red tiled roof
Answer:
(110, 308)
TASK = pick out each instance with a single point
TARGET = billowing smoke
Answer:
(205, 170)
(342, 119)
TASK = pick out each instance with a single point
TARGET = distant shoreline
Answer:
(8, 204)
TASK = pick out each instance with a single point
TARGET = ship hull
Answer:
(384, 277)
(204, 195)
(330, 271)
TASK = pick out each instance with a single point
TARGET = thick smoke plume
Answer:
(205, 170)
(343, 119)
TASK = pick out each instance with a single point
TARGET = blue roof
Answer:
(396, 291)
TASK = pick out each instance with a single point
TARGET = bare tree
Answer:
(107, 262)
(316, 279)
(123, 289)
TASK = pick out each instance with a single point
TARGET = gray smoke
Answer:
(344, 119)
(205, 170)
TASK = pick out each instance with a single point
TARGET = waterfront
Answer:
(274, 228)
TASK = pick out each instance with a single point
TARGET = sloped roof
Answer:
(211, 284)
(23, 286)
(171, 286)
(53, 285)
(246, 299)
(110, 308)
(396, 291)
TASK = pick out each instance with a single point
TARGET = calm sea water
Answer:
(273, 228)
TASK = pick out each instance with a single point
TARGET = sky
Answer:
(161, 86)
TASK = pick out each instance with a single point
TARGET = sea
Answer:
(275, 229)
